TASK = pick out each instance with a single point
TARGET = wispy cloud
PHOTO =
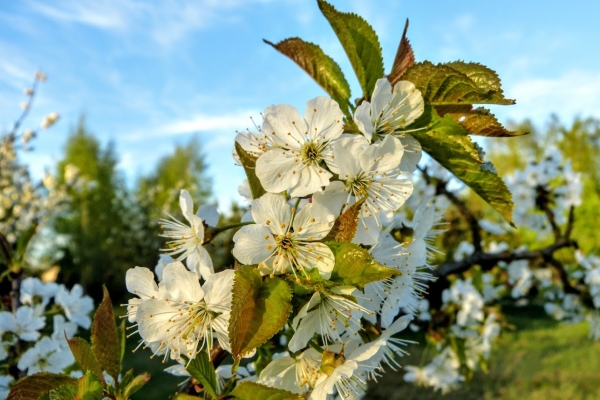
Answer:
(165, 22)
(197, 123)
(573, 93)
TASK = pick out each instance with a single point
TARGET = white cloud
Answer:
(197, 123)
(570, 94)
(165, 22)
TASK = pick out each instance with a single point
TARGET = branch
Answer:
(488, 260)
(441, 188)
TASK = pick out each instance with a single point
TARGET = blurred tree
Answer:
(94, 227)
(580, 143)
(158, 194)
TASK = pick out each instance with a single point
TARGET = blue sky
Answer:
(150, 74)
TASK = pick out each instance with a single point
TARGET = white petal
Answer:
(140, 281)
(209, 214)
(332, 199)
(304, 332)
(199, 261)
(412, 153)
(382, 95)
(362, 118)
(278, 169)
(252, 244)
(399, 325)
(367, 230)
(272, 210)
(413, 101)
(316, 255)
(346, 160)
(187, 205)
(218, 291)
(182, 284)
(312, 179)
(284, 126)
(383, 156)
(153, 319)
(324, 118)
(315, 225)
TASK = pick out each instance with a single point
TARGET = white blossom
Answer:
(285, 239)
(25, 323)
(186, 240)
(75, 304)
(301, 147)
(45, 356)
(184, 319)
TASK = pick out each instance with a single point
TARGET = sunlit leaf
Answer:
(89, 387)
(443, 85)
(105, 341)
(84, 356)
(354, 266)
(448, 143)
(249, 164)
(322, 68)
(405, 57)
(255, 391)
(34, 386)
(203, 370)
(361, 44)
(476, 121)
(258, 311)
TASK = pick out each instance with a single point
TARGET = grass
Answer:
(540, 360)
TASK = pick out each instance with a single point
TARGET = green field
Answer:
(540, 360)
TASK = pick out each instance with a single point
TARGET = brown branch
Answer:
(441, 188)
(488, 260)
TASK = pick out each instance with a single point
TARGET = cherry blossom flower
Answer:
(76, 305)
(330, 315)
(295, 374)
(25, 323)
(187, 317)
(301, 147)
(186, 240)
(371, 172)
(284, 239)
(45, 356)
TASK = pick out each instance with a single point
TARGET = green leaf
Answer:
(355, 267)
(405, 57)
(254, 391)
(63, 392)
(344, 228)
(203, 370)
(34, 386)
(136, 384)
(84, 356)
(105, 341)
(259, 310)
(89, 387)
(361, 44)
(447, 142)
(249, 164)
(442, 84)
(476, 121)
(322, 68)
(5, 250)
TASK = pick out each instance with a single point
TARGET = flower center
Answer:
(311, 153)
(359, 185)
(286, 244)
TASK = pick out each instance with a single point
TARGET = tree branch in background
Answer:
(441, 188)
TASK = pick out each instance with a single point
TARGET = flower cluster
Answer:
(33, 337)
(323, 193)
